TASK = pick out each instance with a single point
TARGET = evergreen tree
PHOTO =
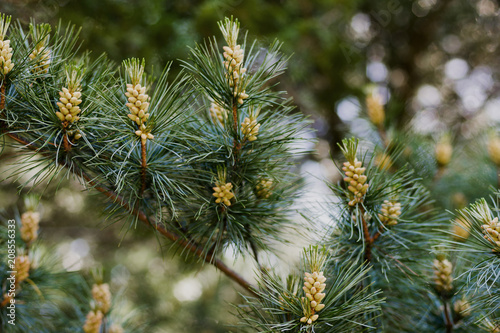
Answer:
(208, 161)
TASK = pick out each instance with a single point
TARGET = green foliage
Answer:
(350, 306)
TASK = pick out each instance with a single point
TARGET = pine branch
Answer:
(193, 248)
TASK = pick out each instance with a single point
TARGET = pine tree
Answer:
(208, 160)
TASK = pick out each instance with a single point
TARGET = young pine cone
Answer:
(356, 180)
(218, 113)
(29, 226)
(250, 128)
(389, 213)
(492, 233)
(375, 109)
(462, 308)
(68, 105)
(93, 322)
(461, 230)
(233, 61)
(22, 267)
(41, 53)
(102, 297)
(444, 151)
(6, 63)
(313, 286)
(263, 188)
(137, 103)
(442, 275)
(494, 149)
(223, 193)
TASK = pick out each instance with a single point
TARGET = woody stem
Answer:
(143, 166)
(2, 96)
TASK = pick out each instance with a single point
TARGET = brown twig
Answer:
(2, 96)
(66, 144)
(236, 142)
(447, 318)
(197, 251)
(368, 238)
(383, 135)
(143, 167)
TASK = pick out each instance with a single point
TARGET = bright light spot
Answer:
(319, 194)
(360, 24)
(428, 96)
(451, 44)
(156, 267)
(492, 109)
(348, 108)
(72, 261)
(483, 76)
(486, 8)
(456, 69)
(188, 289)
(425, 121)
(69, 200)
(360, 127)
(473, 89)
(426, 4)
(376, 71)
(120, 275)
(80, 246)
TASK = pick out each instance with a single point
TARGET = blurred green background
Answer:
(435, 62)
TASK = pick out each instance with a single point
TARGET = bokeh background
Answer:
(435, 62)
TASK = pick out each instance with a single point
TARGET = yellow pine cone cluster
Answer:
(93, 322)
(250, 128)
(218, 113)
(461, 230)
(22, 267)
(68, 105)
(375, 109)
(462, 307)
(115, 328)
(102, 297)
(41, 53)
(233, 63)
(241, 96)
(138, 105)
(494, 149)
(313, 286)
(443, 152)
(492, 233)
(223, 193)
(356, 180)
(389, 213)
(144, 133)
(442, 275)
(29, 226)
(263, 188)
(6, 63)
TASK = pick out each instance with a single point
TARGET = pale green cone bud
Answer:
(93, 322)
